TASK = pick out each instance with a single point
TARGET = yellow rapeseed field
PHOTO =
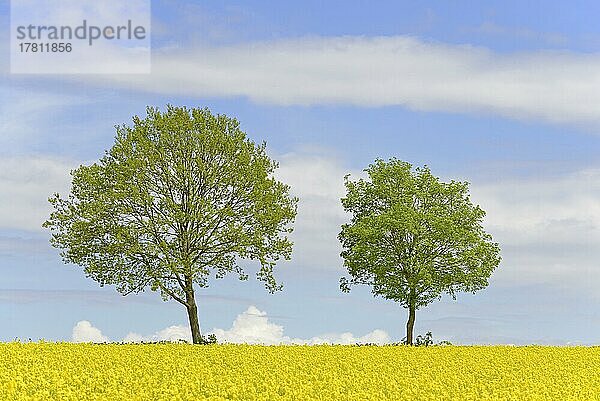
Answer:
(63, 371)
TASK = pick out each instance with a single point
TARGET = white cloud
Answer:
(379, 71)
(376, 337)
(318, 182)
(563, 209)
(253, 327)
(171, 333)
(84, 332)
(25, 185)
(548, 228)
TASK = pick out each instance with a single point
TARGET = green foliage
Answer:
(209, 339)
(182, 195)
(412, 237)
(422, 340)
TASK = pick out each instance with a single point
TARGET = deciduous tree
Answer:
(413, 238)
(182, 196)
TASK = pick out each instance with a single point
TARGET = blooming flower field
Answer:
(64, 371)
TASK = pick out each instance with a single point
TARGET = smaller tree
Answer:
(413, 238)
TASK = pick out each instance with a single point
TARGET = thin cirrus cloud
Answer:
(88, 297)
(26, 115)
(520, 33)
(26, 182)
(551, 86)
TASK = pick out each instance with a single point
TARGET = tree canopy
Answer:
(181, 196)
(413, 238)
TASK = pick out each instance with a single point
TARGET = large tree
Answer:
(182, 195)
(413, 238)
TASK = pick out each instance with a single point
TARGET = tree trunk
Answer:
(410, 325)
(192, 311)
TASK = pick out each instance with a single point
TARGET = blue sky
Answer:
(502, 94)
